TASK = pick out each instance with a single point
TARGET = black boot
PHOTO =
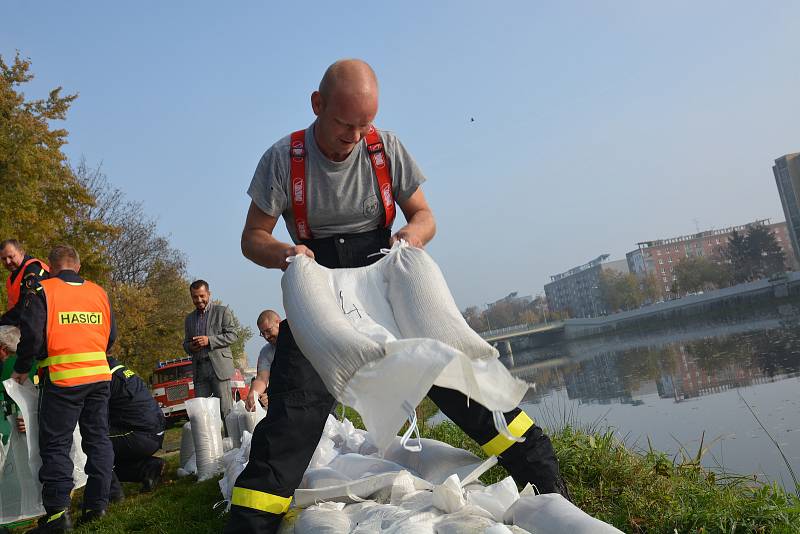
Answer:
(153, 472)
(115, 493)
(54, 523)
(90, 515)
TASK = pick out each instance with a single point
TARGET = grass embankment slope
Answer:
(646, 492)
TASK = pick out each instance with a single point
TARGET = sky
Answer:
(597, 124)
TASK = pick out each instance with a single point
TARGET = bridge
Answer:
(521, 330)
(525, 336)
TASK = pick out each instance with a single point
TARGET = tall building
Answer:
(787, 178)
(660, 257)
(577, 291)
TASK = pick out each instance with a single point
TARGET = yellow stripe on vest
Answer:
(500, 443)
(73, 358)
(76, 373)
(258, 500)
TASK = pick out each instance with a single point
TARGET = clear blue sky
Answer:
(597, 124)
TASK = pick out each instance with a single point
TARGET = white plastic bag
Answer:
(207, 435)
(380, 336)
(551, 513)
(187, 444)
(234, 462)
(23, 461)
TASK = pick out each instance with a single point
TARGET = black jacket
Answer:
(131, 407)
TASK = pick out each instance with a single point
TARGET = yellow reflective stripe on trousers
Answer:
(83, 371)
(73, 358)
(500, 443)
(258, 500)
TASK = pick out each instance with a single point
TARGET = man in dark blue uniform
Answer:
(137, 431)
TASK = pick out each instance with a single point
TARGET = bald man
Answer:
(336, 184)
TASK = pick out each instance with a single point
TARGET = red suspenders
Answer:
(380, 165)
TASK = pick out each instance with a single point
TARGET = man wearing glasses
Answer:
(268, 323)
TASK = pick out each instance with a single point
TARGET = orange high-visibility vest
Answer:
(13, 288)
(78, 326)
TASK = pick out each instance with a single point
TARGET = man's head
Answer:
(345, 105)
(9, 338)
(200, 293)
(11, 254)
(268, 324)
(63, 258)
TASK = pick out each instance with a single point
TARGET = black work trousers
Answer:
(133, 453)
(60, 409)
(299, 404)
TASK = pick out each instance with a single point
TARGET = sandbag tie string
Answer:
(412, 429)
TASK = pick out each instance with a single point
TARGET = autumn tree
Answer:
(43, 202)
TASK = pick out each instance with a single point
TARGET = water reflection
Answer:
(640, 390)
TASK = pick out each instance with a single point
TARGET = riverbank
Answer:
(636, 492)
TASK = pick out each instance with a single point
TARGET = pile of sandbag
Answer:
(348, 487)
(202, 446)
(206, 430)
(20, 489)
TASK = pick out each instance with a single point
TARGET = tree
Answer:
(243, 333)
(42, 203)
(620, 291)
(754, 255)
(700, 274)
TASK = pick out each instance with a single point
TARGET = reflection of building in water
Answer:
(687, 379)
(603, 380)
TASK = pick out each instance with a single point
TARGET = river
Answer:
(678, 389)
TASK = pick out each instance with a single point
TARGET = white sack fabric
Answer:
(204, 416)
(363, 493)
(381, 336)
(20, 489)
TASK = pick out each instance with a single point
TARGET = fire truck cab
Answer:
(172, 385)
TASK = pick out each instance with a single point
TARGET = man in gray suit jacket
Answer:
(208, 336)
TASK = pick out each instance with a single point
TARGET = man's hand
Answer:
(198, 342)
(407, 235)
(19, 378)
(263, 399)
(20, 425)
(250, 402)
(296, 250)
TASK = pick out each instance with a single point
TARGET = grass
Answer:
(637, 492)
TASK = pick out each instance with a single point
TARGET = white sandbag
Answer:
(20, 492)
(324, 518)
(435, 462)
(240, 420)
(23, 461)
(207, 435)
(551, 513)
(234, 462)
(380, 336)
(495, 499)
(187, 445)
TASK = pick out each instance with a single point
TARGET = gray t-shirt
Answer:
(265, 358)
(342, 196)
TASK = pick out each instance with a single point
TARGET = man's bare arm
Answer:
(261, 247)
(421, 225)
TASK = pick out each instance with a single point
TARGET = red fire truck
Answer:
(172, 385)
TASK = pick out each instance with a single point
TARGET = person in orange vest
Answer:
(24, 271)
(67, 323)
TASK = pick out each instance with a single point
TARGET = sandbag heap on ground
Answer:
(348, 487)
